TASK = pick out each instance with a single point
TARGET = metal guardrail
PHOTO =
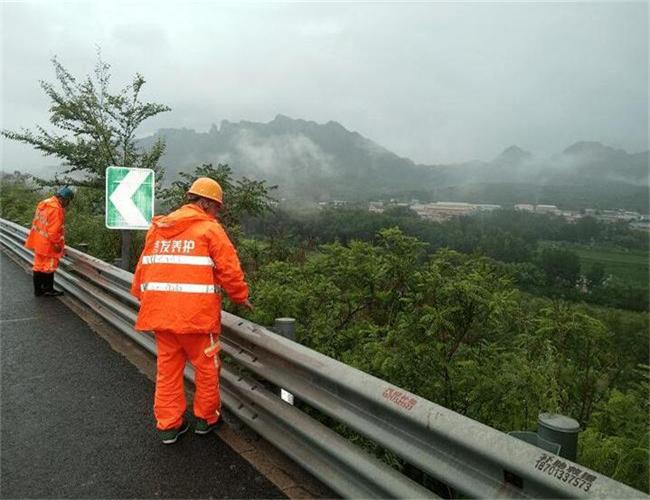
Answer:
(474, 459)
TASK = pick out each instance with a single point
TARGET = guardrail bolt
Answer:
(561, 430)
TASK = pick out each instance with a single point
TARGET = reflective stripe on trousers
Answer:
(217, 365)
(156, 286)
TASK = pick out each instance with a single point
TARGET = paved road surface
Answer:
(76, 418)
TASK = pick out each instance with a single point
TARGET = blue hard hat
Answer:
(66, 193)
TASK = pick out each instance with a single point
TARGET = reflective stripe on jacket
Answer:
(47, 228)
(187, 260)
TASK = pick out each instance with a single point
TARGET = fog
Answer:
(432, 82)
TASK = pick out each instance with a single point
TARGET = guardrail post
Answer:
(561, 430)
(287, 328)
(126, 249)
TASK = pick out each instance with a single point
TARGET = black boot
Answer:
(49, 286)
(39, 283)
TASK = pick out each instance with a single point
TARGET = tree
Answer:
(562, 267)
(18, 197)
(596, 275)
(96, 128)
(242, 197)
(617, 442)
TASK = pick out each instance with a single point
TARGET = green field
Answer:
(629, 265)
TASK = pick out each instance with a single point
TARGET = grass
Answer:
(629, 265)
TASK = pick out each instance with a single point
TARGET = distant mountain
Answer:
(514, 155)
(317, 162)
(306, 159)
(596, 159)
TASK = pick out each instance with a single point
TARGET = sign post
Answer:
(129, 203)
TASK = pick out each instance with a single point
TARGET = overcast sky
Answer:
(434, 82)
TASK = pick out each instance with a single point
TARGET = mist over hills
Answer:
(321, 162)
(305, 159)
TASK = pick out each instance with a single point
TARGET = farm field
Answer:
(629, 265)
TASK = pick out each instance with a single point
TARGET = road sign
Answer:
(129, 197)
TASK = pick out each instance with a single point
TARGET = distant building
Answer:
(640, 226)
(487, 207)
(333, 203)
(632, 215)
(570, 216)
(547, 209)
(443, 210)
(376, 207)
(525, 206)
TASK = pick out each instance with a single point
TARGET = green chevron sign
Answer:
(129, 197)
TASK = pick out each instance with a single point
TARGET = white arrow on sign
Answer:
(122, 195)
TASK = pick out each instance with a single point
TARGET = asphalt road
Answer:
(76, 417)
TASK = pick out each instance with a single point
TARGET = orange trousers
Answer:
(174, 350)
(45, 263)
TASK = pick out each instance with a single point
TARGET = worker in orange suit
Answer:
(187, 262)
(47, 240)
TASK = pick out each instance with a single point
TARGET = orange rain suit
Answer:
(187, 261)
(46, 236)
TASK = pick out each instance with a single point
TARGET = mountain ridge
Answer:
(326, 161)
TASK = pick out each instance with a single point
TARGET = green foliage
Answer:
(584, 192)
(618, 440)
(581, 365)
(453, 329)
(509, 236)
(400, 211)
(628, 264)
(561, 267)
(96, 128)
(18, 198)
(242, 197)
(617, 293)
(85, 226)
(595, 275)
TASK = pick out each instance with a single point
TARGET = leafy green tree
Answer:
(94, 128)
(582, 368)
(242, 197)
(596, 275)
(85, 226)
(453, 329)
(617, 442)
(561, 266)
(400, 211)
(18, 197)
(586, 229)
(617, 293)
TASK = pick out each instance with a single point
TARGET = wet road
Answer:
(76, 418)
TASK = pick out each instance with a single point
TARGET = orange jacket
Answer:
(47, 228)
(187, 260)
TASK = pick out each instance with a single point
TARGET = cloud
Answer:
(434, 82)
(279, 154)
